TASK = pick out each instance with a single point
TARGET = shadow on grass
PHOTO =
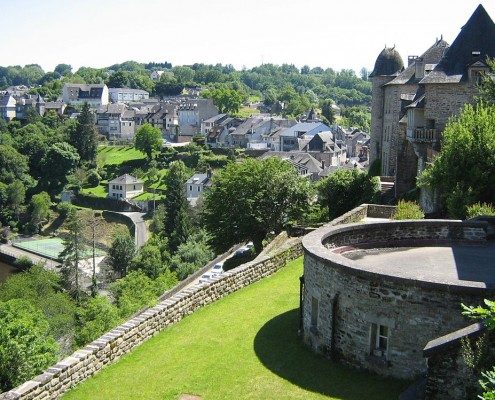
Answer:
(281, 350)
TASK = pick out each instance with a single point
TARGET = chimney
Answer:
(322, 164)
(208, 173)
(420, 68)
(411, 59)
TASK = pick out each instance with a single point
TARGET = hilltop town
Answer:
(196, 231)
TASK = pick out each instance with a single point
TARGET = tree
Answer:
(96, 317)
(346, 189)
(177, 223)
(248, 200)
(84, 136)
(59, 161)
(327, 110)
(72, 253)
(26, 348)
(39, 209)
(118, 79)
(13, 165)
(93, 228)
(148, 139)
(192, 255)
(63, 69)
(463, 173)
(487, 315)
(227, 100)
(183, 74)
(41, 288)
(16, 194)
(121, 253)
(149, 260)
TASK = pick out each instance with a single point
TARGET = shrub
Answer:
(65, 208)
(93, 178)
(479, 209)
(408, 210)
(23, 262)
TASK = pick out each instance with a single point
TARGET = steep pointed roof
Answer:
(477, 35)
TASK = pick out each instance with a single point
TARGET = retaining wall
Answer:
(107, 349)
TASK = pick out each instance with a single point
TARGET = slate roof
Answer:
(4, 101)
(297, 158)
(301, 127)
(199, 178)
(215, 118)
(388, 62)
(84, 91)
(477, 35)
(431, 57)
(113, 108)
(125, 179)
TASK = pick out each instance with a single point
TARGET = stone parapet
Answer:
(107, 349)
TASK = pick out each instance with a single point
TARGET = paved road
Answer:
(141, 232)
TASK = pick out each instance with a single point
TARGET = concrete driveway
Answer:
(141, 231)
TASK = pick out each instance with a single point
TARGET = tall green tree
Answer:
(73, 253)
(16, 195)
(26, 348)
(121, 253)
(346, 189)
(39, 209)
(148, 139)
(84, 135)
(464, 172)
(177, 223)
(226, 99)
(248, 200)
(59, 161)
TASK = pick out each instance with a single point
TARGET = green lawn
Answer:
(148, 196)
(99, 191)
(244, 346)
(115, 155)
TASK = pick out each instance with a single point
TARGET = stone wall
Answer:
(107, 349)
(449, 377)
(352, 300)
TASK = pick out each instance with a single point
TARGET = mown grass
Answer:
(115, 155)
(98, 191)
(244, 346)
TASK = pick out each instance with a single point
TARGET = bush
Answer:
(23, 262)
(65, 208)
(479, 209)
(408, 210)
(93, 179)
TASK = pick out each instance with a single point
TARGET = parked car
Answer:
(244, 249)
(206, 278)
(217, 268)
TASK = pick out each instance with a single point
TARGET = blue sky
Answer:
(343, 34)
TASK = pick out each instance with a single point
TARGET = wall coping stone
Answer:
(452, 339)
(313, 245)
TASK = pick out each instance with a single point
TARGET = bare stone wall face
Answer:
(351, 300)
(107, 349)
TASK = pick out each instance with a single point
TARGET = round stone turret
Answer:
(388, 62)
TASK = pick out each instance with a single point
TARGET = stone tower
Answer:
(387, 66)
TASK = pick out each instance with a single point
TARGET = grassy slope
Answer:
(244, 346)
(114, 155)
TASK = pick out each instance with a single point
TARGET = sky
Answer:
(338, 34)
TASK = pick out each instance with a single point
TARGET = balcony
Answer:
(422, 135)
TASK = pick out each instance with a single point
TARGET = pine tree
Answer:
(84, 136)
(177, 222)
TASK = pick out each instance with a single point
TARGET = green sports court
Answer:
(50, 248)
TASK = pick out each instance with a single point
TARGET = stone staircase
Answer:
(387, 189)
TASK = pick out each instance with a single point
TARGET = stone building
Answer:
(411, 105)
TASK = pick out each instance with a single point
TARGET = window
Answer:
(190, 188)
(379, 340)
(314, 313)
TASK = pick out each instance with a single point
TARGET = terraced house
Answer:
(412, 104)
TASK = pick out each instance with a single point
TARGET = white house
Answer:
(95, 95)
(125, 95)
(7, 107)
(125, 187)
(196, 185)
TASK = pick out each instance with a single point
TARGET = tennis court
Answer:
(51, 248)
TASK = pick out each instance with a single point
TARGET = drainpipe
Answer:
(301, 299)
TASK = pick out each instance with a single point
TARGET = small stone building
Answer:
(125, 187)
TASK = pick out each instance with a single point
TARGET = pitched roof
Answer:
(477, 35)
(125, 179)
(302, 127)
(430, 57)
(198, 178)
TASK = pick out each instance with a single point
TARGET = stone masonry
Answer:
(107, 349)
(349, 300)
